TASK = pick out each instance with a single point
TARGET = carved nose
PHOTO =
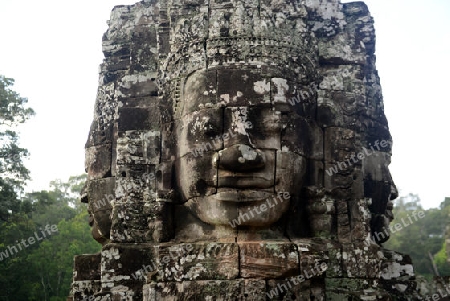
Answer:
(239, 157)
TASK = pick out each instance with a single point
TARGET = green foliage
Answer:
(423, 238)
(12, 110)
(12, 113)
(441, 261)
(43, 271)
(12, 170)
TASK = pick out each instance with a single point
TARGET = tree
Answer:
(441, 259)
(53, 261)
(423, 238)
(13, 112)
(43, 271)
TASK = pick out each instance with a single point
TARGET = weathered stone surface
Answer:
(207, 261)
(122, 266)
(396, 266)
(362, 260)
(98, 161)
(137, 147)
(195, 290)
(322, 210)
(268, 260)
(354, 289)
(100, 193)
(290, 289)
(253, 132)
(141, 222)
(314, 257)
(86, 277)
(87, 267)
(85, 289)
(253, 289)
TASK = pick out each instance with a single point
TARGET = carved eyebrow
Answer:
(209, 122)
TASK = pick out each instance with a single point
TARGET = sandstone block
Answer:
(268, 260)
(199, 261)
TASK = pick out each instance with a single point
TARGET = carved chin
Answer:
(260, 213)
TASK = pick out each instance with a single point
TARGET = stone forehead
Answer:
(242, 87)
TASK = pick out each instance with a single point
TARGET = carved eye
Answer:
(211, 129)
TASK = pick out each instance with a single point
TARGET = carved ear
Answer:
(165, 187)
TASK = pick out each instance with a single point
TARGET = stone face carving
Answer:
(233, 160)
(240, 149)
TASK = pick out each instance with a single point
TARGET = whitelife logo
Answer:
(399, 226)
(11, 250)
(343, 165)
(243, 217)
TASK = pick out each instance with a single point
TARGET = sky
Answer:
(53, 49)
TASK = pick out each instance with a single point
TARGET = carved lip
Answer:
(244, 182)
(242, 195)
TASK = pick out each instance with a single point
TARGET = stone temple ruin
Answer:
(239, 151)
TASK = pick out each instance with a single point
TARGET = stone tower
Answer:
(239, 151)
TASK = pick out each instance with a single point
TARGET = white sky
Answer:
(53, 48)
